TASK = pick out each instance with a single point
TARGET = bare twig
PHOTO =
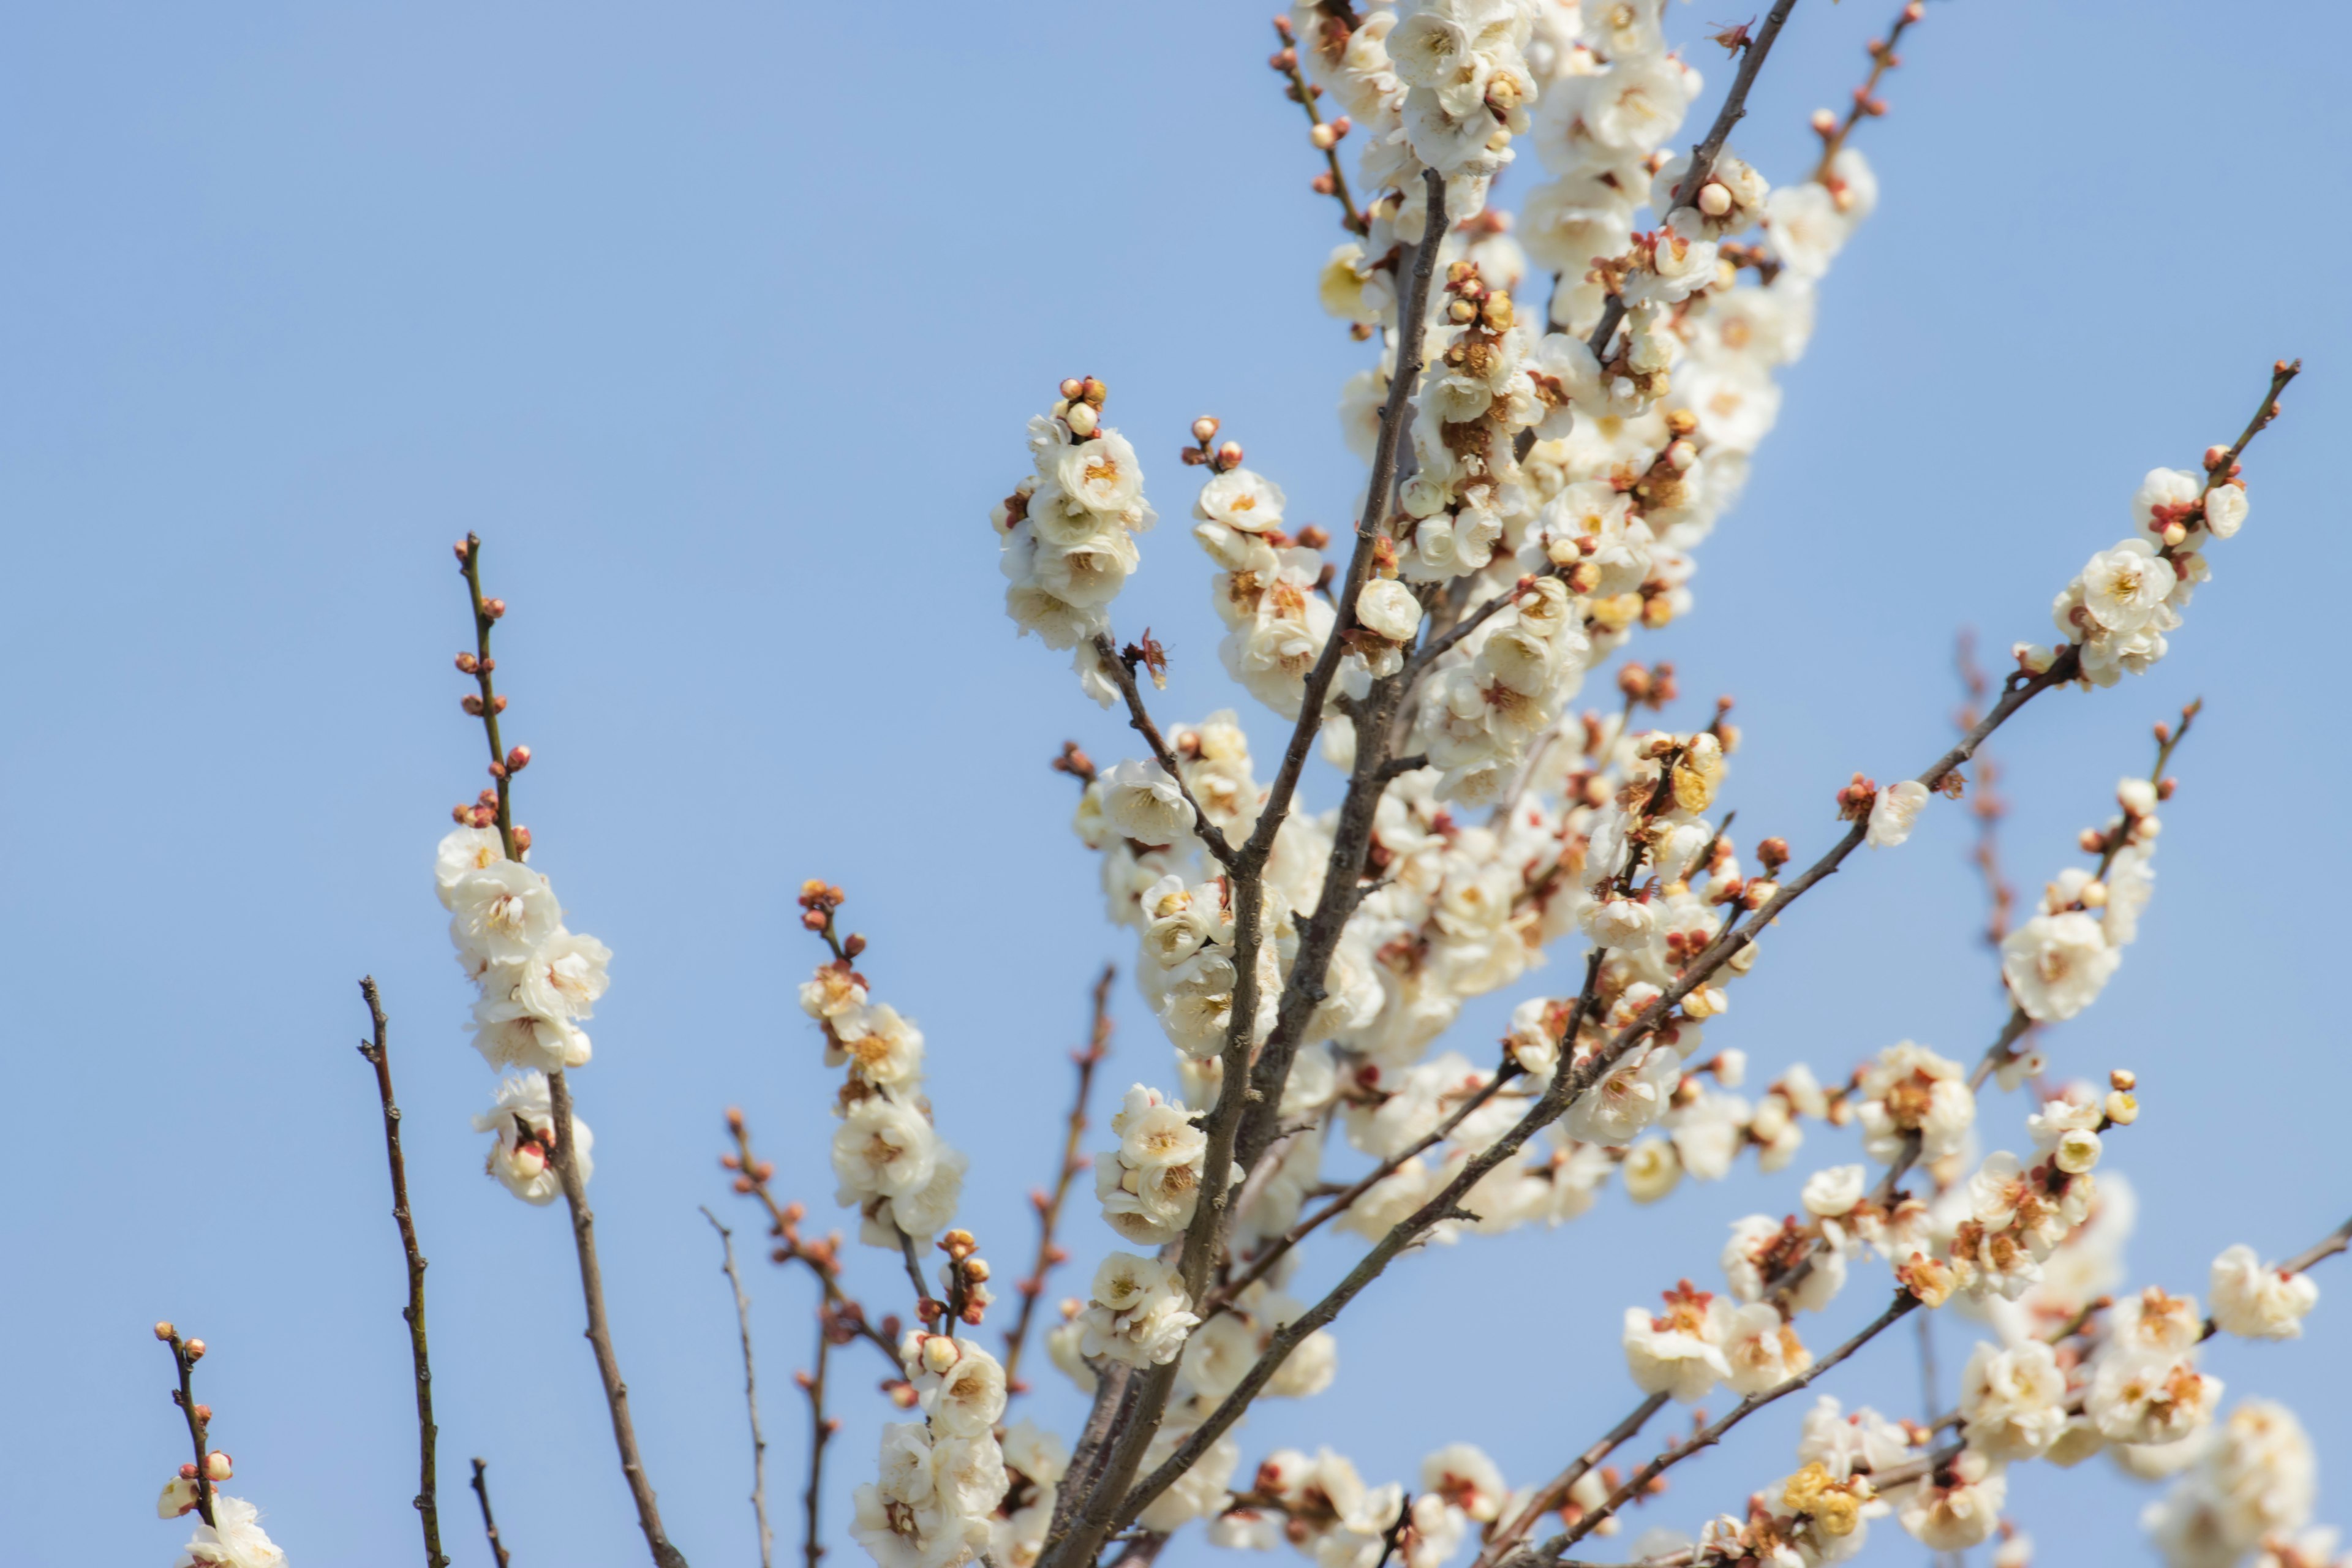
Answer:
(427, 1507)
(750, 1388)
(821, 1259)
(820, 1430)
(503, 765)
(185, 1354)
(489, 1523)
(1139, 718)
(1286, 60)
(1554, 1492)
(1867, 103)
(1049, 1204)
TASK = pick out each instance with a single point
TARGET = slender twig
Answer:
(820, 1430)
(1139, 718)
(750, 1387)
(1049, 1204)
(821, 1258)
(1865, 97)
(1219, 1299)
(489, 1523)
(1286, 60)
(427, 1507)
(1987, 806)
(503, 766)
(1554, 1492)
(1703, 156)
(1707, 1436)
(185, 1354)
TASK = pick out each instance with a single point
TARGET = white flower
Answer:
(2225, 510)
(234, 1539)
(1680, 1353)
(2124, 588)
(1956, 1516)
(1139, 1314)
(566, 976)
(1388, 608)
(1242, 500)
(1630, 1097)
(1464, 1476)
(1806, 228)
(2164, 494)
(930, 1208)
(1894, 812)
(1909, 1088)
(967, 1399)
(1834, 1193)
(511, 1031)
(2256, 1302)
(968, 1477)
(502, 911)
(2144, 1397)
(467, 849)
(2057, 965)
(882, 1148)
(1762, 1351)
(2015, 1399)
(1102, 475)
(879, 1047)
(524, 1119)
(1843, 1443)
(1143, 803)
(2253, 1482)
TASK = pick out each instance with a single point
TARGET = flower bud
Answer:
(518, 759)
(1714, 199)
(2124, 1078)
(1095, 392)
(195, 1348)
(521, 838)
(1229, 456)
(2122, 1108)
(464, 551)
(217, 1467)
(469, 664)
(939, 1354)
(1324, 137)
(164, 1331)
(1824, 121)
(2077, 1151)
(1204, 428)
(1073, 389)
(180, 1492)
(494, 608)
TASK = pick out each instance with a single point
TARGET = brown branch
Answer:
(1707, 1436)
(503, 766)
(1987, 807)
(821, 1258)
(1865, 97)
(185, 1354)
(1703, 156)
(750, 1388)
(1049, 1204)
(490, 1524)
(820, 1431)
(1286, 61)
(427, 1507)
(1139, 718)
(1219, 1299)
(1554, 1492)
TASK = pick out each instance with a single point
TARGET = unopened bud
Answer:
(1714, 199)
(2122, 1078)
(494, 608)
(217, 1467)
(1204, 428)
(518, 759)
(195, 1348)
(1758, 892)
(1914, 11)
(472, 703)
(2122, 1108)
(469, 664)
(1095, 392)
(2077, 1151)
(1324, 137)
(1073, 389)
(164, 1331)
(1229, 456)
(1681, 455)
(1082, 420)
(522, 840)
(2093, 895)
(2215, 457)
(853, 944)
(1584, 577)
(1824, 121)
(939, 1354)
(463, 550)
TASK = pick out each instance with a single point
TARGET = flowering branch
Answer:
(563, 1154)
(1122, 673)
(1049, 1204)
(490, 1524)
(427, 1508)
(1866, 102)
(185, 1354)
(1707, 1436)
(750, 1389)
(1554, 1492)
(1702, 155)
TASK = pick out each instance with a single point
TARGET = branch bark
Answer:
(490, 1524)
(1049, 1205)
(750, 1389)
(428, 1510)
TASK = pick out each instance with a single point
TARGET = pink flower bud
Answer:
(217, 1467)
(1824, 121)
(1204, 428)
(164, 1331)
(519, 759)
(494, 608)
(195, 1348)
(1072, 389)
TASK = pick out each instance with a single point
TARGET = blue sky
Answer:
(720, 322)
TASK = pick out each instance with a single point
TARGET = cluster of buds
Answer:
(1204, 451)
(818, 901)
(965, 1278)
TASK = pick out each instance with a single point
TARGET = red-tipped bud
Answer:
(472, 703)
(853, 944)
(815, 919)
(195, 1348)
(1204, 428)
(164, 1331)
(1229, 456)
(469, 664)
(204, 1412)
(1824, 122)
(1072, 388)
(464, 551)
(494, 608)
(498, 770)
(518, 759)
(498, 705)
(217, 1467)
(522, 840)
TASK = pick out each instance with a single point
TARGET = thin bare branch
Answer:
(1139, 718)
(185, 1354)
(820, 1430)
(821, 1259)
(750, 1387)
(428, 1510)
(489, 1523)
(1049, 1204)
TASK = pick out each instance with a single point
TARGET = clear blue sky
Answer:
(720, 321)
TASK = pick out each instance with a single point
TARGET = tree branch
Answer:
(427, 1507)
(1049, 1205)
(1139, 718)
(750, 1388)
(490, 1525)
(821, 1258)
(185, 1354)
(820, 1431)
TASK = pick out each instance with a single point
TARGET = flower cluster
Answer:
(1150, 1185)
(538, 982)
(1067, 529)
(888, 1162)
(2058, 962)
(2114, 614)
(936, 1498)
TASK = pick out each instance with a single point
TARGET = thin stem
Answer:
(1554, 1492)
(1881, 60)
(750, 1388)
(1139, 718)
(1707, 1436)
(489, 1523)
(427, 1507)
(821, 1432)
(821, 1258)
(1286, 60)
(199, 1419)
(1703, 156)
(1049, 1204)
(471, 564)
(600, 1331)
